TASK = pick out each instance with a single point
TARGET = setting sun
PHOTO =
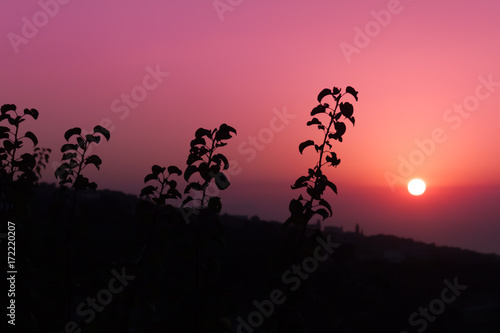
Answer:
(416, 186)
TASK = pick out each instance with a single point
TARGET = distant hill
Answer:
(368, 284)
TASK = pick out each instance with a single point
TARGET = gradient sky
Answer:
(422, 69)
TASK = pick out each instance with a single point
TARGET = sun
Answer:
(416, 186)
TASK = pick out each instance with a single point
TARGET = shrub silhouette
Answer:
(71, 172)
(294, 246)
(203, 160)
(316, 182)
(17, 173)
(193, 230)
(159, 196)
(151, 212)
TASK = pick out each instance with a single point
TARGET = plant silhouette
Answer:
(71, 172)
(17, 173)
(203, 160)
(295, 247)
(151, 215)
(316, 182)
(159, 196)
(192, 230)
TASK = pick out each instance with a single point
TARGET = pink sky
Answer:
(243, 66)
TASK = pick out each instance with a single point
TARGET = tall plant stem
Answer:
(318, 171)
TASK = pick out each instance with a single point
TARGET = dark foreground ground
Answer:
(231, 274)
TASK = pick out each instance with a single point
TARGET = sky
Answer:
(153, 72)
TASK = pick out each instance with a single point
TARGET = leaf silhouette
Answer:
(68, 156)
(221, 181)
(225, 127)
(314, 121)
(8, 107)
(8, 145)
(80, 141)
(352, 91)
(149, 177)
(295, 207)
(103, 131)
(214, 170)
(224, 132)
(193, 158)
(323, 93)
(332, 186)
(204, 171)
(173, 169)
(4, 132)
(340, 129)
(156, 169)
(215, 204)
(13, 121)
(73, 131)
(219, 158)
(32, 136)
(301, 182)
(347, 109)
(318, 109)
(194, 185)
(198, 141)
(95, 160)
(200, 132)
(333, 159)
(185, 201)
(28, 161)
(172, 183)
(148, 190)
(189, 171)
(305, 144)
(173, 193)
(322, 212)
(314, 193)
(93, 138)
(325, 204)
(68, 146)
(33, 113)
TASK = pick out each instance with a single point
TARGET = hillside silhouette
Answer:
(368, 284)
